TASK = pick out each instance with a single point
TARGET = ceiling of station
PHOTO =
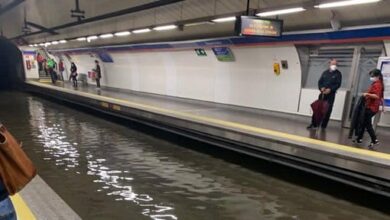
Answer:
(49, 13)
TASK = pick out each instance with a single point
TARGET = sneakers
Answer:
(358, 141)
(372, 144)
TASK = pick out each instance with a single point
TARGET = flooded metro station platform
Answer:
(195, 109)
(97, 166)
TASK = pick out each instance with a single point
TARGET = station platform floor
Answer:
(38, 201)
(274, 121)
(276, 137)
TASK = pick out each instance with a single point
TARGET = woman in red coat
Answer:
(373, 98)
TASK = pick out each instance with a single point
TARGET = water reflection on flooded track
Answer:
(108, 171)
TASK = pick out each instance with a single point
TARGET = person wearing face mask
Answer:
(328, 85)
(373, 99)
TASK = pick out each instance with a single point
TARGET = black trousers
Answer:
(330, 99)
(98, 82)
(40, 66)
(74, 80)
(368, 125)
(53, 76)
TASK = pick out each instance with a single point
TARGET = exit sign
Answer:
(200, 52)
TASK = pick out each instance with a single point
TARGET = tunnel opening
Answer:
(11, 65)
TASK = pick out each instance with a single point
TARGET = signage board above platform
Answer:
(256, 26)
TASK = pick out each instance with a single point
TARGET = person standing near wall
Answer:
(98, 72)
(373, 98)
(73, 74)
(61, 68)
(40, 62)
(328, 84)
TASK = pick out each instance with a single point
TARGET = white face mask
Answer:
(373, 79)
(333, 67)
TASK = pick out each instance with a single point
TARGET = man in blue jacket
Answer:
(328, 85)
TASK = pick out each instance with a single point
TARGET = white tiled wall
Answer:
(249, 81)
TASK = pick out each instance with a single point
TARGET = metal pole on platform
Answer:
(247, 7)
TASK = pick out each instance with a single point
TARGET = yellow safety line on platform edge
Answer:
(23, 212)
(236, 125)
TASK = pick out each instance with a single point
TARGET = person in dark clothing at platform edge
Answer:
(328, 85)
(73, 74)
(98, 72)
(374, 98)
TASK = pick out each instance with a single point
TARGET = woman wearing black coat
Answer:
(73, 74)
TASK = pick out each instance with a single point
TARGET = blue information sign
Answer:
(223, 54)
(105, 56)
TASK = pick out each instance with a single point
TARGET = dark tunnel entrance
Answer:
(11, 65)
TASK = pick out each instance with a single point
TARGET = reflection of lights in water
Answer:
(54, 142)
(66, 154)
(115, 184)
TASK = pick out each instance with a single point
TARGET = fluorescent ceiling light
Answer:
(55, 42)
(90, 38)
(41, 44)
(31, 45)
(165, 28)
(280, 12)
(139, 31)
(345, 3)
(63, 41)
(105, 36)
(227, 19)
(198, 23)
(81, 39)
(35, 45)
(122, 34)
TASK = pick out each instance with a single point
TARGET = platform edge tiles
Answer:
(38, 201)
(360, 168)
(44, 202)
(21, 208)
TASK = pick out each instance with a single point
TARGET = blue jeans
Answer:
(7, 211)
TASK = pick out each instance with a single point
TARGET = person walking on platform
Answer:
(73, 74)
(328, 84)
(373, 99)
(98, 72)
